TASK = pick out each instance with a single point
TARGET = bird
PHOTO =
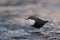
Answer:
(36, 22)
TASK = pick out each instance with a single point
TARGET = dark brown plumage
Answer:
(38, 22)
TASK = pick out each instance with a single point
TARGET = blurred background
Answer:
(14, 12)
(17, 9)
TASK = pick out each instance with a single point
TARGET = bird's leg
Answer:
(38, 31)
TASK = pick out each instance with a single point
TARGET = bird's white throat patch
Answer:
(30, 22)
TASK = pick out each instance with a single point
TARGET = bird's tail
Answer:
(46, 21)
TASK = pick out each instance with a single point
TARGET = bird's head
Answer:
(30, 22)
